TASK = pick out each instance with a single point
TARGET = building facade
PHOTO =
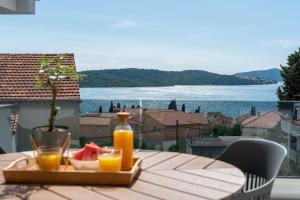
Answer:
(17, 85)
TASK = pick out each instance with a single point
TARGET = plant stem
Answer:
(53, 111)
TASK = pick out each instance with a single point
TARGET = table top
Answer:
(165, 175)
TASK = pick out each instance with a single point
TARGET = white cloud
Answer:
(283, 44)
(126, 24)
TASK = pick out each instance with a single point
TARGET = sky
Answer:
(213, 35)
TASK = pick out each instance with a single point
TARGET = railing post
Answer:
(177, 143)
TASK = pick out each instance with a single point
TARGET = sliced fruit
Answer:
(89, 152)
(91, 147)
(86, 155)
(77, 155)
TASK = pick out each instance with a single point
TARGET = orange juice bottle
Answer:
(123, 139)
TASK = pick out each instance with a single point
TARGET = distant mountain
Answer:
(132, 77)
(269, 74)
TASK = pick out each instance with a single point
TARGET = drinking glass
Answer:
(110, 161)
(49, 147)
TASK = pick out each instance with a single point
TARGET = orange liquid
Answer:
(49, 161)
(123, 139)
(110, 164)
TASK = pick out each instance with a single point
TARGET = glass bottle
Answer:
(123, 139)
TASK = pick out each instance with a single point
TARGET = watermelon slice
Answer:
(92, 148)
(77, 155)
(94, 156)
(86, 155)
(89, 152)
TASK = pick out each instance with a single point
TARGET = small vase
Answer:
(49, 147)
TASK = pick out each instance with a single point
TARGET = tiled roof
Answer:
(95, 121)
(168, 118)
(267, 120)
(242, 118)
(297, 122)
(17, 72)
(218, 118)
(101, 115)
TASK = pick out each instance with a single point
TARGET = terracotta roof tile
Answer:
(267, 120)
(169, 118)
(95, 121)
(297, 122)
(17, 72)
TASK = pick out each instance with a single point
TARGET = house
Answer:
(157, 126)
(163, 128)
(17, 86)
(297, 122)
(242, 118)
(99, 127)
(96, 129)
(218, 118)
(291, 129)
(6, 135)
(263, 125)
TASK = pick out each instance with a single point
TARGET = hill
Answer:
(269, 74)
(132, 77)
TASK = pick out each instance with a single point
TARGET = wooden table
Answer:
(165, 175)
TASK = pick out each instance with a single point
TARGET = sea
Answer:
(233, 101)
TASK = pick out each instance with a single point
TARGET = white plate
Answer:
(85, 164)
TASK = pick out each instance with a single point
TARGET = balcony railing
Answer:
(204, 127)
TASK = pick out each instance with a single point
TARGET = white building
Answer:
(17, 86)
(6, 136)
(17, 6)
(261, 126)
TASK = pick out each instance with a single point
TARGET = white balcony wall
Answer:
(17, 6)
(34, 114)
(6, 138)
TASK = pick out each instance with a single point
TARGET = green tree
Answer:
(236, 130)
(172, 105)
(183, 108)
(290, 90)
(111, 108)
(253, 111)
(51, 73)
(197, 110)
(118, 105)
(100, 109)
(221, 130)
(173, 148)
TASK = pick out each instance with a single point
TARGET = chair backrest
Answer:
(255, 156)
(2, 151)
(260, 160)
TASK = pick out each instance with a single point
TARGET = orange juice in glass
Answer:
(49, 146)
(111, 161)
(49, 158)
(123, 139)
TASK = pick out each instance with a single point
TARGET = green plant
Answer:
(172, 105)
(221, 130)
(173, 148)
(290, 90)
(52, 71)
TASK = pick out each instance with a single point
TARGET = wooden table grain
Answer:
(165, 175)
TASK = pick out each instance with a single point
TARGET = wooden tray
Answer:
(25, 170)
